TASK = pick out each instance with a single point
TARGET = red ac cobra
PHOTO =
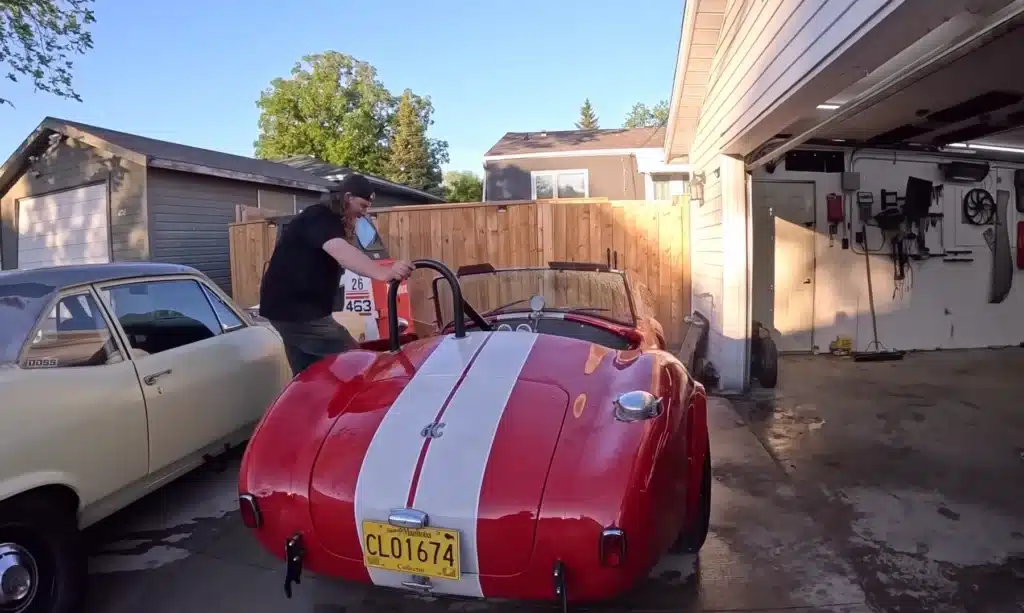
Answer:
(536, 452)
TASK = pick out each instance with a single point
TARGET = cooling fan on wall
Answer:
(979, 207)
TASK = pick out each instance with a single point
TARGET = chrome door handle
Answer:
(151, 379)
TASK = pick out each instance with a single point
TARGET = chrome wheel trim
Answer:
(19, 578)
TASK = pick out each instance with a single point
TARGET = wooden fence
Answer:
(251, 243)
(649, 240)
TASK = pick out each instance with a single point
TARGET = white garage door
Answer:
(69, 227)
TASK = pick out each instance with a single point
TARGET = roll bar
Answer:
(453, 282)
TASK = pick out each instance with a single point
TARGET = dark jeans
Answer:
(306, 342)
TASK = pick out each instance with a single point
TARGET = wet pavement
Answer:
(850, 488)
(915, 470)
(183, 549)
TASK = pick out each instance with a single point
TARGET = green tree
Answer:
(463, 186)
(642, 116)
(409, 162)
(588, 119)
(334, 107)
(36, 38)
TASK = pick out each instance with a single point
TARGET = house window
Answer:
(669, 185)
(553, 184)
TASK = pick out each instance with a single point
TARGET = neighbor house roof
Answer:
(618, 141)
(160, 154)
(334, 172)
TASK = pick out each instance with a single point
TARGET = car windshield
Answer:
(601, 294)
(367, 235)
(20, 306)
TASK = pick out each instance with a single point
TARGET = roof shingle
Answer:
(578, 140)
(185, 154)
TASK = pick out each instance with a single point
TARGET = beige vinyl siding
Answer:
(707, 249)
(774, 47)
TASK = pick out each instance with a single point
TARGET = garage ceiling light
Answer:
(828, 107)
(997, 148)
(983, 147)
(958, 148)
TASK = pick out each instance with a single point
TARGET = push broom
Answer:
(876, 351)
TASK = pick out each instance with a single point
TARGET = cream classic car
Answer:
(114, 380)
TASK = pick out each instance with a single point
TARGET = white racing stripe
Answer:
(390, 461)
(453, 471)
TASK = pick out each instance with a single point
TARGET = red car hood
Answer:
(495, 416)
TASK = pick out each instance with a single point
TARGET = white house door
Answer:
(785, 211)
(66, 227)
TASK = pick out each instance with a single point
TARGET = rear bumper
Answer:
(346, 577)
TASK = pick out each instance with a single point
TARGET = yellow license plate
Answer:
(430, 552)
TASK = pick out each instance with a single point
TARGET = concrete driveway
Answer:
(845, 490)
(915, 469)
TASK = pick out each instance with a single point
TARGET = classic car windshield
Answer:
(601, 294)
(20, 306)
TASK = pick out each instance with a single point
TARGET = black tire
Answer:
(695, 533)
(49, 539)
(768, 375)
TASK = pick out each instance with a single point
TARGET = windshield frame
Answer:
(579, 267)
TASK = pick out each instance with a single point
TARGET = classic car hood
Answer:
(467, 439)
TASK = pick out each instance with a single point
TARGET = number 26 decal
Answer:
(357, 284)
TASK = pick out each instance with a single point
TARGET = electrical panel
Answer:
(850, 181)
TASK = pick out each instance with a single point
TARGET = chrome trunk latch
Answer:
(407, 518)
(433, 430)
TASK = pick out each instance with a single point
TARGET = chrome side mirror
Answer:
(637, 406)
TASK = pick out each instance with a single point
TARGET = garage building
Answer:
(74, 193)
(818, 130)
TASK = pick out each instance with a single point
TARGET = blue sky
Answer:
(191, 71)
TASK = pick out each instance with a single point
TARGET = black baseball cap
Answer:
(355, 184)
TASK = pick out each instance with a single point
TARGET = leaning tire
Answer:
(47, 548)
(695, 532)
(768, 375)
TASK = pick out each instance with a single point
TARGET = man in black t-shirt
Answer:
(302, 278)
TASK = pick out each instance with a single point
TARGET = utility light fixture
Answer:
(983, 147)
(828, 107)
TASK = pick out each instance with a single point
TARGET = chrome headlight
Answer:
(637, 406)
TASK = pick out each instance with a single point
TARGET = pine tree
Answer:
(588, 119)
(410, 161)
